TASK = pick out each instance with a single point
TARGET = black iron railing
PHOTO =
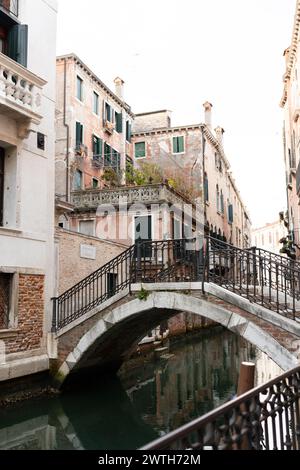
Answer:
(147, 261)
(266, 418)
(11, 6)
(276, 257)
(271, 281)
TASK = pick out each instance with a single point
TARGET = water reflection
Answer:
(148, 399)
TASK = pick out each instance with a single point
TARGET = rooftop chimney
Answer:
(119, 87)
(219, 134)
(207, 113)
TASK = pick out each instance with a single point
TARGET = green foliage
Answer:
(143, 294)
(111, 176)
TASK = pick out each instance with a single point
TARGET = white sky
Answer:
(176, 54)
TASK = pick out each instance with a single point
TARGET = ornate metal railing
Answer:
(11, 6)
(147, 261)
(282, 260)
(269, 281)
(266, 418)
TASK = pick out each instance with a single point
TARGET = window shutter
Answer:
(174, 144)
(18, 43)
(119, 123)
(180, 144)
(128, 131)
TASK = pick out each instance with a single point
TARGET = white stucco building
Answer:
(27, 140)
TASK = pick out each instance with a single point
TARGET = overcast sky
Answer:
(177, 54)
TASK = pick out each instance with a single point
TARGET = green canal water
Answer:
(147, 399)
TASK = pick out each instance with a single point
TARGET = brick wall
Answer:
(72, 268)
(30, 315)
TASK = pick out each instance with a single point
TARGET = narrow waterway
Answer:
(147, 399)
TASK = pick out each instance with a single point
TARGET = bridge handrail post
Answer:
(54, 314)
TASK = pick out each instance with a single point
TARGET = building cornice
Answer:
(292, 54)
(105, 88)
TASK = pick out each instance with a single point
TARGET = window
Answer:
(79, 92)
(5, 299)
(115, 160)
(128, 131)
(108, 112)
(119, 122)
(87, 227)
(206, 193)
(230, 213)
(178, 144)
(77, 180)
(95, 183)
(140, 149)
(222, 202)
(2, 155)
(79, 134)
(17, 43)
(96, 103)
(97, 146)
(107, 155)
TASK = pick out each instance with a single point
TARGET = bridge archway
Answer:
(107, 342)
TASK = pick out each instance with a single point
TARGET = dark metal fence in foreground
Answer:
(266, 418)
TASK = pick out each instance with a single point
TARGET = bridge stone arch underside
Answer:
(103, 342)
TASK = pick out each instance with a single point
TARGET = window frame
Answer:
(96, 100)
(79, 78)
(135, 153)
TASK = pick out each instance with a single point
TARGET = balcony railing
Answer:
(20, 91)
(148, 194)
(11, 6)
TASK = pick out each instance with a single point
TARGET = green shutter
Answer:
(119, 123)
(128, 131)
(18, 43)
(180, 144)
(174, 144)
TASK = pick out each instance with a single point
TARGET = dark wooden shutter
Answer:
(17, 43)
(119, 123)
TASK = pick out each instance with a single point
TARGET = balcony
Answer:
(20, 94)
(90, 199)
(109, 127)
(10, 6)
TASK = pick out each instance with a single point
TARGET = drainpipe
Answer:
(67, 129)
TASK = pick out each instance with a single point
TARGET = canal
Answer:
(149, 397)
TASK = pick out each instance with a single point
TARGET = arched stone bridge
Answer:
(102, 337)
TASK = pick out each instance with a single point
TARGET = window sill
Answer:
(4, 230)
(178, 153)
(9, 333)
